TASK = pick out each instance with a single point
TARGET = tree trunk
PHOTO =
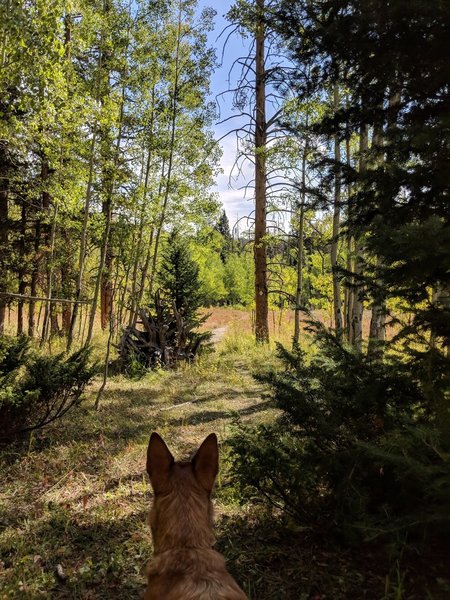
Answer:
(357, 311)
(67, 276)
(300, 240)
(87, 205)
(38, 252)
(260, 248)
(378, 320)
(107, 211)
(22, 269)
(136, 263)
(299, 288)
(142, 218)
(170, 159)
(349, 297)
(145, 269)
(50, 313)
(101, 266)
(377, 331)
(32, 304)
(144, 274)
(114, 288)
(337, 303)
(106, 284)
(4, 212)
(106, 290)
(54, 323)
(4, 235)
(66, 315)
(83, 242)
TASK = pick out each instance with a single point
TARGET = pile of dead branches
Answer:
(161, 337)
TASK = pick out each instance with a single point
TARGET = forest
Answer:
(227, 217)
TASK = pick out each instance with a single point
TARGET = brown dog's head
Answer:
(181, 515)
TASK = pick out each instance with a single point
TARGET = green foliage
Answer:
(223, 227)
(399, 199)
(211, 273)
(12, 351)
(85, 94)
(168, 332)
(357, 445)
(371, 435)
(239, 279)
(38, 389)
(179, 276)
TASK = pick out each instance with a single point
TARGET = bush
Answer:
(178, 277)
(168, 332)
(356, 445)
(161, 338)
(37, 389)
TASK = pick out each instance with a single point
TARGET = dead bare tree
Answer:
(257, 100)
(259, 248)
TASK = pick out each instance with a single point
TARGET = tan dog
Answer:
(184, 566)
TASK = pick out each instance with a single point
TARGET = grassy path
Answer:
(75, 502)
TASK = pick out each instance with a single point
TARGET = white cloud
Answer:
(234, 185)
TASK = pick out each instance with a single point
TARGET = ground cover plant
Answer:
(37, 389)
(356, 449)
(74, 500)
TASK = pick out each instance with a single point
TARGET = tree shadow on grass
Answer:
(273, 562)
(115, 423)
(216, 415)
(189, 394)
(99, 560)
(143, 396)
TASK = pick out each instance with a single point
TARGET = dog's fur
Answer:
(184, 566)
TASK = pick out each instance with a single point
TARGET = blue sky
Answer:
(235, 201)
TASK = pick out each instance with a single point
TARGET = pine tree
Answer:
(364, 438)
(354, 444)
(168, 332)
(223, 227)
(37, 389)
(179, 276)
(392, 59)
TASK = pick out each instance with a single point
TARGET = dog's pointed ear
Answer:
(206, 462)
(159, 461)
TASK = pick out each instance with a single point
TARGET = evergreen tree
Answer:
(179, 276)
(363, 438)
(223, 227)
(354, 446)
(37, 389)
(392, 59)
(168, 332)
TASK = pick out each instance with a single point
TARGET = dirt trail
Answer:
(218, 333)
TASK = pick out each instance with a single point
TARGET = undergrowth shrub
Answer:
(167, 333)
(36, 389)
(357, 446)
(163, 337)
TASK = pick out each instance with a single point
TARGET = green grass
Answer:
(75, 498)
(77, 494)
